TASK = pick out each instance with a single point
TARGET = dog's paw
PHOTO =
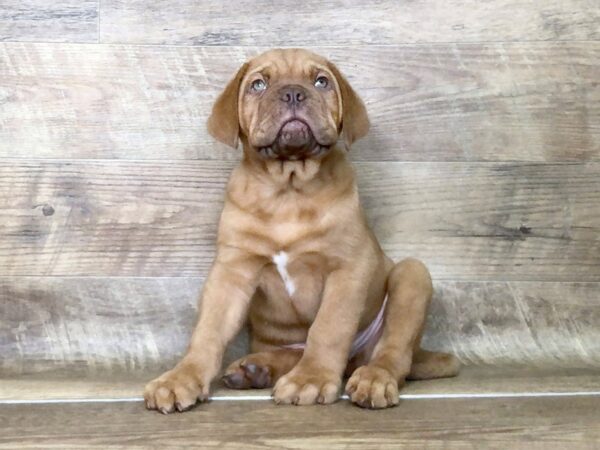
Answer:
(248, 373)
(372, 387)
(178, 389)
(306, 386)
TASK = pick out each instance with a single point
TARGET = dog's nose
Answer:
(292, 95)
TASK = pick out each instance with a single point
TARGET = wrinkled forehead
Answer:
(288, 64)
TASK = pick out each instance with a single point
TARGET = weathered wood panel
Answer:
(289, 23)
(466, 221)
(527, 323)
(80, 326)
(488, 221)
(492, 102)
(103, 218)
(94, 325)
(55, 21)
(526, 423)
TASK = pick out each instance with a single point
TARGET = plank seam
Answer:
(203, 278)
(98, 24)
(353, 46)
(234, 398)
(233, 162)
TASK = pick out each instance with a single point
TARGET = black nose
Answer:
(292, 95)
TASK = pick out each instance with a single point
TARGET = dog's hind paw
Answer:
(246, 374)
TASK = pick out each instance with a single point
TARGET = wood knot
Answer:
(47, 210)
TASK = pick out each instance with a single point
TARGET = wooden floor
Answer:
(473, 381)
(485, 407)
(503, 423)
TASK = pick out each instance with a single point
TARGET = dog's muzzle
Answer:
(294, 141)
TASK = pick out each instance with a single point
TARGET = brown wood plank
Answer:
(492, 221)
(448, 102)
(103, 218)
(55, 21)
(542, 423)
(287, 23)
(472, 381)
(470, 221)
(78, 327)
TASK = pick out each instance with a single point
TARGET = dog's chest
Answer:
(281, 260)
(294, 281)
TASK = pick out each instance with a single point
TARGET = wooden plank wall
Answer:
(483, 160)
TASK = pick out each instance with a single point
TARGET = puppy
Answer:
(296, 257)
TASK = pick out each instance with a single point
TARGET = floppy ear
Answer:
(355, 121)
(223, 123)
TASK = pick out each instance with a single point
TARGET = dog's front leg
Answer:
(225, 300)
(318, 375)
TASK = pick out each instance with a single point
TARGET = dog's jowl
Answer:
(296, 257)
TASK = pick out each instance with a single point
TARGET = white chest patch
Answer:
(280, 260)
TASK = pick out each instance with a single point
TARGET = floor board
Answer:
(451, 423)
(472, 381)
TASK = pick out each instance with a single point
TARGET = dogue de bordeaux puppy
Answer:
(296, 257)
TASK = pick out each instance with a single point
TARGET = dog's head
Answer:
(288, 104)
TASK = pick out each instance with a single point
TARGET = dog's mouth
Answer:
(294, 141)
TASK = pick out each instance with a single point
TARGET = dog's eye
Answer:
(258, 85)
(321, 82)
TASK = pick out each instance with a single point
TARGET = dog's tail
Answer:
(427, 365)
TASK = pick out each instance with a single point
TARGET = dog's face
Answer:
(288, 104)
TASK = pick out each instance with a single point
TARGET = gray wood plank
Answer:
(455, 102)
(527, 323)
(79, 327)
(475, 221)
(288, 23)
(542, 423)
(55, 21)
(94, 325)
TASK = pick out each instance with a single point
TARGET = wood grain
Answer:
(75, 326)
(473, 380)
(473, 221)
(288, 23)
(55, 21)
(544, 423)
(488, 221)
(81, 327)
(526, 323)
(449, 102)
(87, 326)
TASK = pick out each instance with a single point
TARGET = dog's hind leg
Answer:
(428, 365)
(397, 356)
(260, 370)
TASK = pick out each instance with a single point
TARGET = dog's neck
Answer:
(268, 187)
(302, 176)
